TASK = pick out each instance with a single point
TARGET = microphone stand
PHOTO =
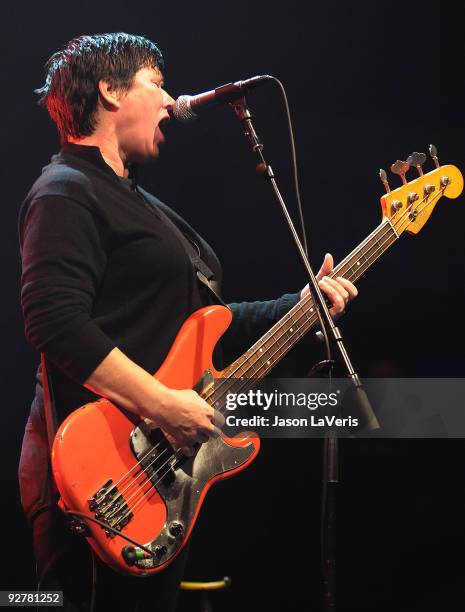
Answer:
(330, 451)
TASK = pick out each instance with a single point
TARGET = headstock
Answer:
(410, 205)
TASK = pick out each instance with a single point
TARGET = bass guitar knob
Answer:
(176, 529)
(160, 551)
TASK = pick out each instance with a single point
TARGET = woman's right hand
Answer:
(187, 419)
(183, 415)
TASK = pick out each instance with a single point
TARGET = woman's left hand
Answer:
(338, 290)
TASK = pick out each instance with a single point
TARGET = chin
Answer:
(154, 150)
(155, 154)
(140, 157)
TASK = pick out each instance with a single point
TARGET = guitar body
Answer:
(108, 464)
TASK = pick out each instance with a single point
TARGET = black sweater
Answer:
(101, 268)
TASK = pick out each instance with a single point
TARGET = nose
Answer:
(167, 100)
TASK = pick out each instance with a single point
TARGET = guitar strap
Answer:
(205, 276)
(204, 273)
(51, 423)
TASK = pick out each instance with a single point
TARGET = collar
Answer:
(93, 155)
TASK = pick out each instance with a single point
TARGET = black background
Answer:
(368, 83)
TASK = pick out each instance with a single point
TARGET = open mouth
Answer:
(162, 125)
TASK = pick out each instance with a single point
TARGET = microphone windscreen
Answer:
(182, 111)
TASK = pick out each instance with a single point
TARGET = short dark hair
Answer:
(70, 93)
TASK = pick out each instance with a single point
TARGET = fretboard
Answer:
(279, 340)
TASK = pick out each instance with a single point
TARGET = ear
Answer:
(109, 95)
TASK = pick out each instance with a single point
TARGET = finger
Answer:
(181, 446)
(337, 301)
(216, 432)
(349, 287)
(339, 288)
(187, 450)
(172, 440)
(326, 267)
(218, 419)
(204, 406)
(212, 432)
(151, 424)
(202, 436)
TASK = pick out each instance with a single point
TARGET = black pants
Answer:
(64, 563)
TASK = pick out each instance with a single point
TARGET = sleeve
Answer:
(63, 263)
(251, 320)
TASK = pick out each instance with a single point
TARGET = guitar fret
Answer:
(253, 367)
(273, 345)
(359, 260)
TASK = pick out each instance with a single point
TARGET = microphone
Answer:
(186, 108)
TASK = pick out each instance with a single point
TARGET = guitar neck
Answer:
(279, 340)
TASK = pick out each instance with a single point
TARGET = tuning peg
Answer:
(417, 160)
(400, 167)
(434, 154)
(384, 180)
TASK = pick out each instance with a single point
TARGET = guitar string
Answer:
(349, 263)
(398, 223)
(301, 308)
(134, 484)
(372, 257)
(339, 270)
(349, 259)
(292, 320)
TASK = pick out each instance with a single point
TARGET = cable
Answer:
(82, 515)
(299, 202)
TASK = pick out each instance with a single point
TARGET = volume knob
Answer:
(176, 528)
(160, 551)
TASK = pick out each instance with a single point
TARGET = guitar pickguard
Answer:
(184, 483)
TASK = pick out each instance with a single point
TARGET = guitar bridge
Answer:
(110, 507)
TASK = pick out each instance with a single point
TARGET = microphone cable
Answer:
(295, 175)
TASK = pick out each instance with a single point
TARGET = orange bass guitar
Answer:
(131, 494)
